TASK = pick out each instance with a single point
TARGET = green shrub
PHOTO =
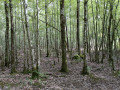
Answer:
(95, 78)
(117, 73)
(76, 57)
(81, 56)
(37, 75)
(89, 69)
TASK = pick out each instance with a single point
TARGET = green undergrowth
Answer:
(35, 74)
(39, 84)
(8, 84)
(116, 73)
(27, 71)
(38, 75)
(94, 77)
(86, 70)
(78, 57)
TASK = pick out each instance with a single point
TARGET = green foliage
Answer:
(86, 70)
(76, 57)
(116, 73)
(89, 69)
(8, 84)
(31, 82)
(27, 71)
(38, 83)
(35, 75)
(42, 75)
(81, 56)
(38, 75)
(94, 78)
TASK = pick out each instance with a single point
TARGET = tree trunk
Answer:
(47, 41)
(27, 29)
(78, 37)
(64, 67)
(37, 39)
(109, 36)
(24, 37)
(12, 39)
(85, 71)
(6, 35)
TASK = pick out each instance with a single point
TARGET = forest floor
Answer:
(100, 77)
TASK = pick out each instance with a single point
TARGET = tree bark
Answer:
(78, 36)
(109, 36)
(85, 71)
(12, 39)
(47, 41)
(63, 43)
(7, 35)
(37, 39)
(27, 31)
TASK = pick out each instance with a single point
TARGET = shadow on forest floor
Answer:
(100, 77)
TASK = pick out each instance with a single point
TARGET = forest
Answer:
(59, 44)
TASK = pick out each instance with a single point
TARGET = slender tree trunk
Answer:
(103, 33)
(47, 41)
(67, 43)
(6, 35)
(109, 36)
(24, 37)
(16, 61)
(70, 32)
(12, 39)
(64, 67)
(27, 31)
(85, 71)
(58, 32)
(96, 35)
(93, 32)
(78, 27)
(37, 39)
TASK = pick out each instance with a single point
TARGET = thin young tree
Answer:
(27, 31)
(78, 26)
(6, 34)
(110, 59)
(24, 37)
(85, 71)
(37, 39)
(47, 40)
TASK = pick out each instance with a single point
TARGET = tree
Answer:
(7, 34)
(78, 26)
(64, 67)
(27, 31)
(47, 41)
(12, 39)
(23, 27)
(37, 39)
(110, 59)
(85, 71)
